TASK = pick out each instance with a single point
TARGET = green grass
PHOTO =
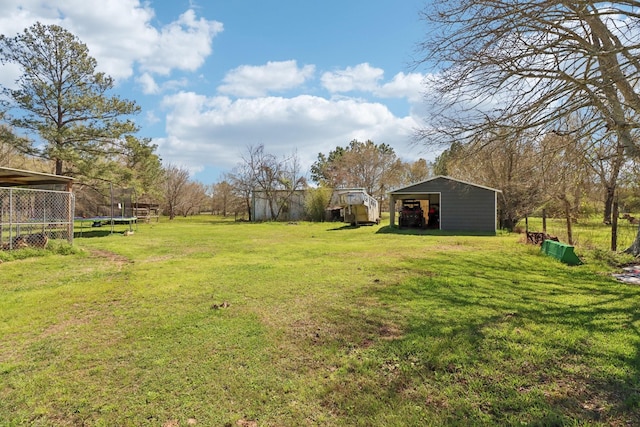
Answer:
(588, 233)
(325, 325)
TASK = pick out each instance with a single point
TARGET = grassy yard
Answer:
(207, 322)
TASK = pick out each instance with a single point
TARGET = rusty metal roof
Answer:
(15, 177)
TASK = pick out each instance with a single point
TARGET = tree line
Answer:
(374, 167)
(537, 99)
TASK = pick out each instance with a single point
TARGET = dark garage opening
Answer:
(420, 213)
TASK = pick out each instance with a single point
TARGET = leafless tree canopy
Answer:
(276, 178)
(176, 181)
(527, 64)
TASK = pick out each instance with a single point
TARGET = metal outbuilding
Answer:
(456, 205)
(34, 208)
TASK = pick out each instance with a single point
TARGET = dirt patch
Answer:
(390, 332)
(79, 317)
(60, 328)
(385, 333)
(158, 258)
(113, 258)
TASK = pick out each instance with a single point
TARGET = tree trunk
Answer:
(614, 226)
(634, 249)
(567, 213)
(609, 193)
(224, 206)
(274, 214)
(58, 166)
(248, 203)
(508, 223)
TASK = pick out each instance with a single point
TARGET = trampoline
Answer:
(99, 221)
(96, 208)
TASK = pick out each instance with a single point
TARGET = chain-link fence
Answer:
(30, 218)
(104, 202)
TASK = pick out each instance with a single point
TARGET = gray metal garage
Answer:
(446, 204)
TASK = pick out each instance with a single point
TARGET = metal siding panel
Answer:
(468, 208)
(261, 211)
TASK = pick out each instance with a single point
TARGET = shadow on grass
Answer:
(98, 232)
(344, 227)
(387, 229)
(92, 233)
(349, 227)
(489, 347)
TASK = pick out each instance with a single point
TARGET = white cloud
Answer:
(19, 14)
(410, 86)
(119, 33)
(183, 44)
(9, 73)
(214, 131)
(202, 131)
(148, 83)
(151, 118)
(365, 78)
(150, 87)
(362, 77)
(255, 81)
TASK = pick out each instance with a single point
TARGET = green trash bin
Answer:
(561, 251)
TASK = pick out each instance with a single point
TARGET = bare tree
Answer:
(529, 64)
(266, 171)
(175, 183)
(241, 179)
(565, 174)
(291, 181)
(607, 159)
(504, 162)
(193, 199)
(221, 195)
(276, 179)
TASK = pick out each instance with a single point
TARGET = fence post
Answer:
(11, 207)
(614, 225)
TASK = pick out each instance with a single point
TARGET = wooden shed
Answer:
(446, 204)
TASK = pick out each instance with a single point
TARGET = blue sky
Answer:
(214, 77)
